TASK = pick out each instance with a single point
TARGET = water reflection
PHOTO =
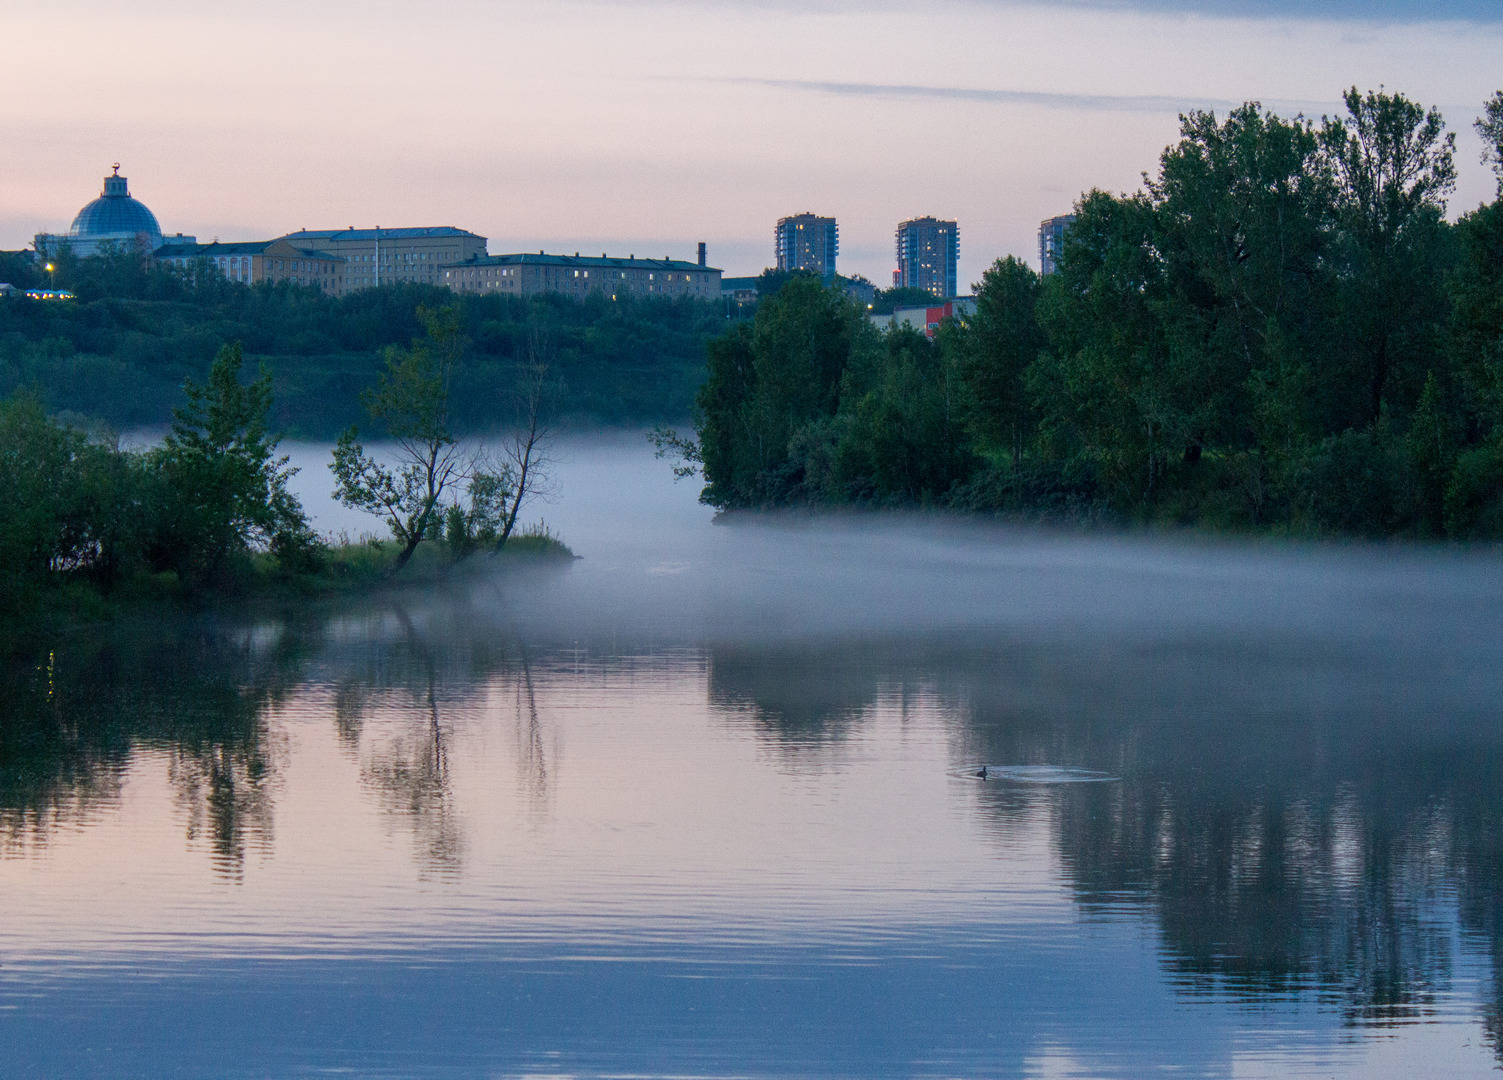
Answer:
(197, 692)
(1293, 827)
(1298, 821)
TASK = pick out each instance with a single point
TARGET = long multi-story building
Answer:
(580, 275)
(928, 256)
(1052, 241)
(390, 256)
(260, 260)
(807, 242)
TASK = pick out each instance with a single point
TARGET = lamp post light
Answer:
(51, 276)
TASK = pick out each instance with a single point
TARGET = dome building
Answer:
(114, 218)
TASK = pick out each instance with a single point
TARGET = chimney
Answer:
(701, 253)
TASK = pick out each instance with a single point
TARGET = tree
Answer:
(219, 487)
(767, 382)
(1490, 126)
(901, 437)
(1000, 341)
(1244, 213)
(38, 482)
(1393, 166)
(527, 450)
(411, 400)
(1108, 388)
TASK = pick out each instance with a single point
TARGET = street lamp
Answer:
(51, 276)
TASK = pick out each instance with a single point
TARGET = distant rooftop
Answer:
(584, 261)
(244, 247)
(370, 234)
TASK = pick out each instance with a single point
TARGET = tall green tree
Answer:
(997, 346)
(903, 439)
(769, 382)
(218, 487)
(1394, 165)
(1245, 220)
(39, 494)
(1108, 388)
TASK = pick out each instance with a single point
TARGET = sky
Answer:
(644, 127)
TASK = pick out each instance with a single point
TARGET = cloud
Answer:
(1368, 11)
(1097, 102)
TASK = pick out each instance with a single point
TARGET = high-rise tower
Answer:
(1052, 241)
(807, 242)
(928, 256)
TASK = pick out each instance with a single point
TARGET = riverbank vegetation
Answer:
(87, 526)
(1281, 332)
(121, 351)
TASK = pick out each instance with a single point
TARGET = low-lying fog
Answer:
(654, 566)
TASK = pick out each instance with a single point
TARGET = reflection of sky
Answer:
(644, 127)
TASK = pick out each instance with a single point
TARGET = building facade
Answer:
(926, 319)
(580, 275)
(928, 256)
(260, 260)
(1052, 241)
(807, 242)
(391, 256)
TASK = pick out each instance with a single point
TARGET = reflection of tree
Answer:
(1288, 833)
(194, 690)
(195, 694)
(405, 763)
(56, 766)
(797, 700)
(408, 769)
(532, 760)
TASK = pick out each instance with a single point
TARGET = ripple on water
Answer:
(1033, 774)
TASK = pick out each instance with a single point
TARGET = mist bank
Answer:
(1281, 333)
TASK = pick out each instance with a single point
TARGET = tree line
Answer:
(1281, 331)
(121, 351)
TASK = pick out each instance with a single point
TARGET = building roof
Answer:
(244, 247)
(386, 234)
(604, 262)
(114, 213)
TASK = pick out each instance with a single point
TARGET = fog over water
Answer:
(653, 563)
(704, 803)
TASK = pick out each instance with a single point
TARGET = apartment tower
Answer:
(1052, 241)
(928, 256)
(808, 242)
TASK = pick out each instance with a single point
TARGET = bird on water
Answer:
(982, 773)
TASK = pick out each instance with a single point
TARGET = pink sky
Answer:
(646, 127)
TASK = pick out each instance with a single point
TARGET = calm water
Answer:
(703, 804)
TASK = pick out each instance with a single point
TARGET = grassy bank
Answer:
(364, 568)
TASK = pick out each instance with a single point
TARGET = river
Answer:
(706, 803)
